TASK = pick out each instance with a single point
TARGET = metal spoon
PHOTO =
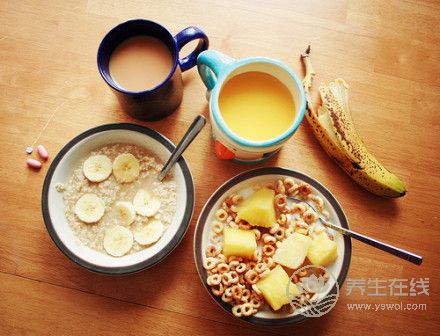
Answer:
(189, 136)
(411, 257)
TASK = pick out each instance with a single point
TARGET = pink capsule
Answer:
(34, 164)
(42, 152)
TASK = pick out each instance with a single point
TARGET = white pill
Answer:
(34, 164)
(42, 152)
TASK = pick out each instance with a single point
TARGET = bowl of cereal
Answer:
(103, 205)
(266, 259)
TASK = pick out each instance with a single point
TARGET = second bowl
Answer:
(243, 185)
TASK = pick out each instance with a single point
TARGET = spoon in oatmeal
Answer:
(403, 254)
(193, 130)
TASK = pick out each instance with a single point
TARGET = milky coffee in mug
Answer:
(140, 60)
(140, 63)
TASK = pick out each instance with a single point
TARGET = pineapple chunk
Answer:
(274, 285)
(258, 209)
(240, 243)
(322, 250)
(293, 251)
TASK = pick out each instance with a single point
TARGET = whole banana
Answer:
(334, 129)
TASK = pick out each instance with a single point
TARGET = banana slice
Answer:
(126, 212)
(126, 168)
(145, 204)
(97, 168)
(149, 233)
(89, 208)
(118, 241)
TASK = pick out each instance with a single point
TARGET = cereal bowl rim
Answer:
(221, 191)
(149, 262)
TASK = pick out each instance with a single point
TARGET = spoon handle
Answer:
(406, 255)
(189, 136)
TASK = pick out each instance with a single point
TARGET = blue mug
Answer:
(160, 101)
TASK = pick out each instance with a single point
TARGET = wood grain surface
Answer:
(50, 90)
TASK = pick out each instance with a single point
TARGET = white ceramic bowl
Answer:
(62, 167)
(243, 184)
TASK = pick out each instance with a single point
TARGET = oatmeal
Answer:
(114, 203)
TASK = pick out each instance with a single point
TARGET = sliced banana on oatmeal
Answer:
(126, 168)
(118, 241)
(97, 168)
(125, 211)
(145, 204)
(89, 208)
(149, 234)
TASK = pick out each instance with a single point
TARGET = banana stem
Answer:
(308, 78)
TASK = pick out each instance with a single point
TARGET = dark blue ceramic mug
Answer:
(160, 101)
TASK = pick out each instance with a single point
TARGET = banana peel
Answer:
(334, 128)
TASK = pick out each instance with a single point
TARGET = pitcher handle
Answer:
(210, 65)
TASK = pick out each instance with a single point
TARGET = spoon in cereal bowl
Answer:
(193, 130)
(403, 254)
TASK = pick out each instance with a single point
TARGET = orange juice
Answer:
(256, 106)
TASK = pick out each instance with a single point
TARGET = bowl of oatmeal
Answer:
(257, 250)
(103, 205)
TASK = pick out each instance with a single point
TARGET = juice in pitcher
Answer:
(256, 106)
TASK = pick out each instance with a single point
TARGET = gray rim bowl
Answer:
(144, 264)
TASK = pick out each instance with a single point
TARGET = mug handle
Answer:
(185, 36)
(210, 65)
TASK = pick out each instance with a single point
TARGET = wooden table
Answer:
(389, 52)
